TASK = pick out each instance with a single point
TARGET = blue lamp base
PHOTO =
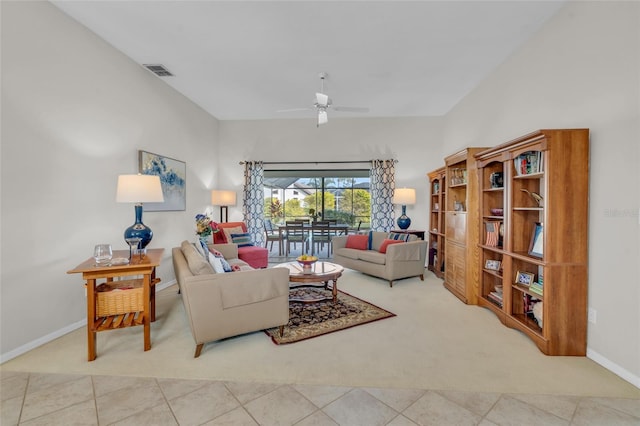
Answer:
(139, 230)
(403, 221)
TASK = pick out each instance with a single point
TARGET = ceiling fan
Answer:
(323, 102)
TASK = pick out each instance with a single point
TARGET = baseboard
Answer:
(613, 367)
(58, 333)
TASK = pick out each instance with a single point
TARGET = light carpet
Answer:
(434, 342)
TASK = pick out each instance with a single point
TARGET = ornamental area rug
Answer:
(315, 318)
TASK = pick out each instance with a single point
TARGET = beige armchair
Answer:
(220, 305)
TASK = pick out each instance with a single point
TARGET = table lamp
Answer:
(404, 196)
(224, 199)
(139, 189)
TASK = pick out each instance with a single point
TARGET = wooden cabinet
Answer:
(461, 233)
(539, 211)
(438, 183)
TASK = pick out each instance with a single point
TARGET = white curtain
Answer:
(382, 181)
(253, 200)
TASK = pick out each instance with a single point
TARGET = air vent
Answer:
(158, 70)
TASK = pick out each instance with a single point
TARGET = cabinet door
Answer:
(456, 270)
(456, 227)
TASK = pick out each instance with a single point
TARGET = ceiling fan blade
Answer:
(322, 100)
(294, 109)
(351, 109)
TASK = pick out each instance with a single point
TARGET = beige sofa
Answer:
(226, 304)
(400, 261)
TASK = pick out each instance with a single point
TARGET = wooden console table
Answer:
(145, 266)
(416, 232)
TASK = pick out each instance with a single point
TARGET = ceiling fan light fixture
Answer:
(322, 100)
(322, 117)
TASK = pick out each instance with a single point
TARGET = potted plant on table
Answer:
(205, 227)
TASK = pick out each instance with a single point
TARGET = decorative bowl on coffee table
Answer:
(307, 262)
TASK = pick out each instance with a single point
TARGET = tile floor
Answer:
(63, 399)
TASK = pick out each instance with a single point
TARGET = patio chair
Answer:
(320, 235)
(271, 235)
(296, 234)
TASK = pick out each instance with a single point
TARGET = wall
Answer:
(412, 141)
(74, 114)
(581, 70)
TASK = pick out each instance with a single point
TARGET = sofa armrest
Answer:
(229, 251)
(339, 242)
(409, 251)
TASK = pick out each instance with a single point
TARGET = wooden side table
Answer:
(416, 232)
(145, 266)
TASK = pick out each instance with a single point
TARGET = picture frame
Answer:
(173, 179)
(524, 278)
(492, 265)
(536, 246)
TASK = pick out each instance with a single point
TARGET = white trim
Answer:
(614, 368)
(41, 341)
(58, 333)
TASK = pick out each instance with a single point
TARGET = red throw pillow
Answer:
(386, 242)
(359, 242)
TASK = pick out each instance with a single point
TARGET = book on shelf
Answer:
(495, 297)
(536, 288)
(528, 163)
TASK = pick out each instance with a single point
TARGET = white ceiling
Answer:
(247, 60)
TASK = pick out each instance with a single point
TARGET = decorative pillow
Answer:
(229, 231)
(197, 264)
(370, 242)
(386, 242)
(225, 265)
(202, 248)
(242, 240)
(398, 236)
(359, 242)
(216, 263)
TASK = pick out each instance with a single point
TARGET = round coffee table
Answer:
(319, 275)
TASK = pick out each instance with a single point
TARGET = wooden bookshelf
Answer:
(549, 193)
(435, 255)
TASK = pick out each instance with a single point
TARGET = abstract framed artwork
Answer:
(173, 178)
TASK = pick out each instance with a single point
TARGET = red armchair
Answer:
(256, 256)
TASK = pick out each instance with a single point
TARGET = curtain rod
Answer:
(315, 162)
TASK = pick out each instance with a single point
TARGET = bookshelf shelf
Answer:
(538, 168)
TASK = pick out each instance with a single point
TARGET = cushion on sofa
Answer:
(386, 243)
(225, 264)
(358, 242)
(197, 264)
(348, 252)
(398, 236)
(242, 239)
(216, 264)
(372, 256)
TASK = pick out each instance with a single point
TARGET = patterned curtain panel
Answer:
(253, 200)
(383, 182)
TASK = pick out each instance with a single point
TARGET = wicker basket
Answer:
(119, 297)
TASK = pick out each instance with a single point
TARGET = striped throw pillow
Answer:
(242, 240)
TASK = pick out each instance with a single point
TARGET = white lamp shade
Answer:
(223, 198)
(404, 196)
(139, 189)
